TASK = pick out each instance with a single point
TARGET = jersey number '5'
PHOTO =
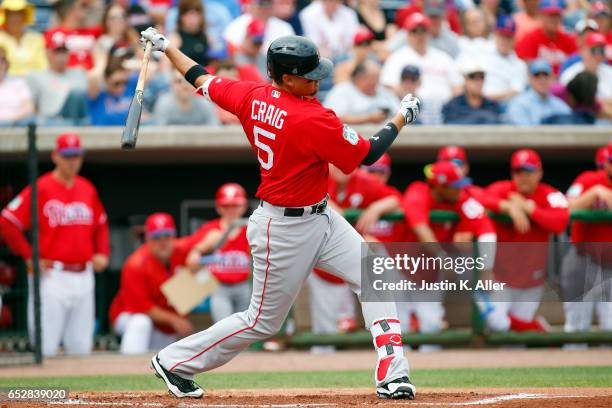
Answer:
(257, 133)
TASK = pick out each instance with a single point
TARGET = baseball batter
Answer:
(231, 264)
(74, 241)
(293, 230)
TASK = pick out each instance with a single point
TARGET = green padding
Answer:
(445, 216)
(364, 339)
(549, 339)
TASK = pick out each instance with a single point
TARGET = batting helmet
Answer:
(230, 194)
(295, 55)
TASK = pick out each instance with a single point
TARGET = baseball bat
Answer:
(130, 132)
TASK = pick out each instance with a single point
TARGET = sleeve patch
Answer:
(557, 200)
(472, 209)
(15, 203)
(350, 135)
(574, 191)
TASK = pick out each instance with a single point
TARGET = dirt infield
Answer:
(502, 398)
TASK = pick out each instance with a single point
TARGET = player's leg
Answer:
(135, 330)
(241, 296)
(578, 311)
(431, 317)
(526, 303)
(284, 250)
(341, 256)
(78, 334)
(53, 311)
(221, 303)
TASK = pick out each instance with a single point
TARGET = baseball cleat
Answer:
(178, 386)
(400, 388)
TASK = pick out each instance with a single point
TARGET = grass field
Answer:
(437, 378)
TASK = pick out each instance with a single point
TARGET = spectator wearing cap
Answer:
(235, 33)
(362, 100)
(475, 40)
(79, 38)
(594, 61)
(548, 41)
(506, 74)
(248, 55)
(25, 49)
(190, 36)
(59, 92)
(527, 18)
(73, 244)
(15, 96)
(537, 103)
(362, 50)
(600, 12)
(410, 82)
(182, 107)
(373, 18)
(224, 242)
(441, 79)
(331, 25)
(472, 108)
(140, 312)
(582, 28)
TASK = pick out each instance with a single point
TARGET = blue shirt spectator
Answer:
(110, 106)
(537, 103)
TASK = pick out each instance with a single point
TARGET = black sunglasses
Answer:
(419, 30)
(541, 74)
(476, 75)
(598, 50)
(119, 83)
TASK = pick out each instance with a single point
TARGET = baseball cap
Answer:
(69, 144)
(602, 156)
(411, 72)
(230, 194)
(505, 25)
(455, 154)
(551, 6)
(17, 5)
(57, 41)
(470, 65)
(362, 35)
(540, 65)
(599, 8)
(160, 225)
(256, 30)
(382, 165)
(526, 159)
(446, 173)
(415, 20)
(594, 39)
(586, 24)
(434, 8)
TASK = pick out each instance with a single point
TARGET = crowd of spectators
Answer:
(520, 62)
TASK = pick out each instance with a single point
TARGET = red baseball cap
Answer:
(160, 225)
(452, 153)
(363, 35)
(602, 155)
(594, 39)
(446, 173)
(415, 20)
(230, 194)
(69, 144)
(382, 165)
(256, 30)
(599, 8)
(526, 159)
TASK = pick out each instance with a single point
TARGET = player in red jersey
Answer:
(444, 189)
(73, 242)
(547, 212)
(293, 230)
(231, 261)
(140, 313)
(588, 262)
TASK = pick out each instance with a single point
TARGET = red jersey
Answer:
(79, 42)
(141, 279)
(294, 139)
(551, 216)
(233, 259)
(72, 222)
(418, 202)
(537, 44)
(590, 231)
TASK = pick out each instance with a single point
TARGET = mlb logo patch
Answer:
(275, 94)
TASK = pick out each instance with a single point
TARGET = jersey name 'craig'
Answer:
(268, 113)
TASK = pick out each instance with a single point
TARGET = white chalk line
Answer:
(495, 400)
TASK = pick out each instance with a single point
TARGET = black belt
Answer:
(317, 208)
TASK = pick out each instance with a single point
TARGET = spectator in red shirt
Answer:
(546, 212)
(225, 240)
(140, 312)
(588, 261)
(79, 40)
(444, 189)
(549, 41)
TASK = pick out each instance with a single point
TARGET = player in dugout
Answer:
(140, 312)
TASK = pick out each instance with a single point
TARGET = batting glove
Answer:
(410, 107)
(160, 43)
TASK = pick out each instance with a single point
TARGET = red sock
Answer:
(520, 325)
